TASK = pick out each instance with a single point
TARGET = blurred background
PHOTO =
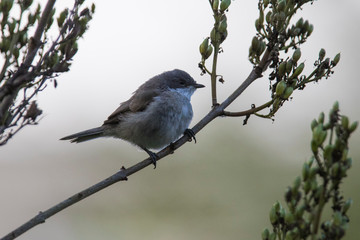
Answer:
(222, 187)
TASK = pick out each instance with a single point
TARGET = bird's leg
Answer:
(152, 155)
(189, 132)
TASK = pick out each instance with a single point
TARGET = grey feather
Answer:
(85, 135)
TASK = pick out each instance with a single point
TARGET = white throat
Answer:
(186, 92)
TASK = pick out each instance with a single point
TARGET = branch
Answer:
(123, 174)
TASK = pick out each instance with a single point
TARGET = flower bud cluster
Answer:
(319, 184)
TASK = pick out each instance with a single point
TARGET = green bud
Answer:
(204, 46)
(328, 150)
(336, 105)
(93, 8)
(337, 218)
(297, 183)
(277, 206)
(288, 236)
(276, 103)
(305, 171)
(273, 216)
(314, 123)
(282, 212)
(265, 234)
(336, 59)
(289, 66)
(62, 17)
(215, 5)
(224, 5)
(322, 54)
(287, 93)
(310, 29)
(281, 6)
(307, 187)
(296, 55)
(255, 44)
(282, 68)
(289, 218)
(223, 26)
(305, 27)
(345, 122)
(268, 17)
(347, 205)
(208, 52)
(313, 185)
(321, 118)
(298, 70)
(272, 236)
(280, 88)
(300, 23)
(353, 126)
(299, 212)
(258, 25)
(314, 146)
(335, 170)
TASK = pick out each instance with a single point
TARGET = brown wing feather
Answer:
(137, 102)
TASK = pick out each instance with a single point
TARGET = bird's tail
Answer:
(85, 135)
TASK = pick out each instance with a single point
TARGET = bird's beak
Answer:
(197, 85)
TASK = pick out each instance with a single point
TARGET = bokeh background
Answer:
(222, 187)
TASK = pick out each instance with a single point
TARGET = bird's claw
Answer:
(153, 156)
(189, 132)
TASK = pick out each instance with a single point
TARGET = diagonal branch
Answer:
(124, 173)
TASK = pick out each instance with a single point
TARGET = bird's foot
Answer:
(153, 156)
(189, 132)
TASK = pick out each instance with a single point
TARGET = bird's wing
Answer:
(138, 102)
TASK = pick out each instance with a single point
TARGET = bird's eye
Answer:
(182, 82)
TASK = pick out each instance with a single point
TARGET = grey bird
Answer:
(157, 114)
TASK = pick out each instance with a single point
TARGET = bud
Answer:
(307, 187)
(298, 70)
(265, 234)
(305, 172)
(297, 183)
(280, 88)
(258, 25)
(272, 236)
(289, 218)
(347, 205)
(255, 44)
(335, 170)
(322, 54)
(223, 26)
(282, 68)
(224, 5)
(281, 6)
(273, 216)
(288, 236)
(62, 17)
(268, 17)
(287, 93)
(314, 146)
(208, 52)
(314, 123)
(328, 150)
(345, 122)
(310, 29)
(337, 218)
(204, 46)
(353, 126)
(336, 59)
(300, 23)
(296, 55)
(215, 5)
(305, 27)
(289, 66)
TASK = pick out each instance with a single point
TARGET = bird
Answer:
(158, 113)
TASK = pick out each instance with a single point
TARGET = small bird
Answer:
(157, 114)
